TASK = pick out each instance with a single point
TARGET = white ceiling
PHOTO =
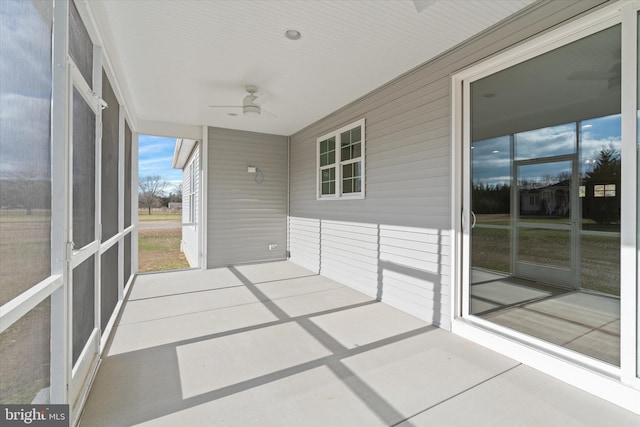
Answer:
(174, 58)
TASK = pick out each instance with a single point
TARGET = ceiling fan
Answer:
(251, 104)
(612, 75)
(421, 5)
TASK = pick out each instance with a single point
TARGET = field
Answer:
(600, 255)
(24, 347)
(159, 242)
(25, 252)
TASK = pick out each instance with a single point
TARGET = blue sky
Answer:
(155, 154)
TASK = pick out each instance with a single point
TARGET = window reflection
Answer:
(546, 142)
(545, 194)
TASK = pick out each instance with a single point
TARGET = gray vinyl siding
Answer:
(245, 216)
(395, 244)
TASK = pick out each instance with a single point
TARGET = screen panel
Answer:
(25, 145)
(80, 45)
(84, 167)
(108, 285)
(110, 152)
(83, 305)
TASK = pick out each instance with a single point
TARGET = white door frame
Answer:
(86, 365)
(619, 385)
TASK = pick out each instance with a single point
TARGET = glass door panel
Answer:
(544, 234)
(545, 195)
(491, 234)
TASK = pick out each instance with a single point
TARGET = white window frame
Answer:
(191, 194)
(338, 163)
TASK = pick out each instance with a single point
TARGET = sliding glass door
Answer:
(545, 195)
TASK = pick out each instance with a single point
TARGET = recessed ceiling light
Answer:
(495, 151)
(586, 126)
(292, 34)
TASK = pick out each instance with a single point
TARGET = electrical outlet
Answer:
(272, 246)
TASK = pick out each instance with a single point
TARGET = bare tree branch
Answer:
(151, 189)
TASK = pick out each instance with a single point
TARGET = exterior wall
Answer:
(191, 201)
(246, 211)
(395, 244)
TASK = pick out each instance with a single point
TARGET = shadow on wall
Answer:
(399, 265)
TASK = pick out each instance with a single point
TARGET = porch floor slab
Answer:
(274, 344)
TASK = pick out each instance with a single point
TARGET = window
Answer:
(340, 156)
(192, 180)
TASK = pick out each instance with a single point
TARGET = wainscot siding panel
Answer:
(246, 211)
(395, 243)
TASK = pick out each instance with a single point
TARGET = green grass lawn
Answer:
(25, 356)
(159, 250)
(600, 257)
(143, 216)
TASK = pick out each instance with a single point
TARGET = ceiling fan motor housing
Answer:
(248, 106)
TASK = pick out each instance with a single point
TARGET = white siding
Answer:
(395, 244)
(190, 239)
(246, 211)
(304, 242)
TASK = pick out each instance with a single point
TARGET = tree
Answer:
(604, 208)
(151, 189)
(176, 196)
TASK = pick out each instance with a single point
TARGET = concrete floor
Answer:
(588, 323)
(275, 345)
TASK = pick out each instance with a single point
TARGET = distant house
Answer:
(551, 200)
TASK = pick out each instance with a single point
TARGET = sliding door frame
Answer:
(620, 385)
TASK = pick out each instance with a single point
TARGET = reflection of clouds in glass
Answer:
(546, 142)
(544, 173)
(602, 133)
(491, 161)
(25, 89)
(603, 127)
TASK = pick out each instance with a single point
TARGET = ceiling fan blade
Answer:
(269, 113)
(225, 106)
(588, 75)
(262, 97)
(423, 4)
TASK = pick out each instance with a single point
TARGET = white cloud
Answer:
(24, 135)
(25, 89)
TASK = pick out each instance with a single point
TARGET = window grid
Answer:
(340, 157)
(328, 166)
(191, 195)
